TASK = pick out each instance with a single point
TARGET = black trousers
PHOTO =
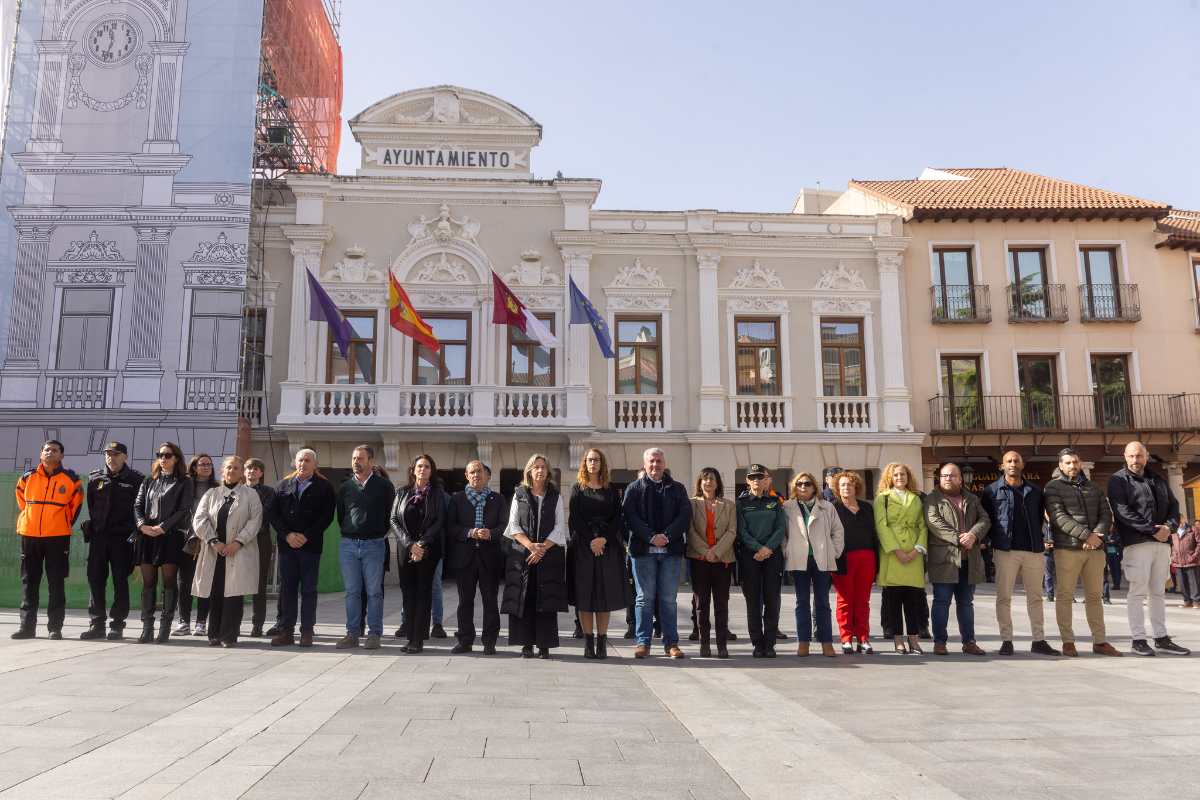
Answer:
(224, 613)
(49, 555)
(762, 585)
(258, 613)
(109, 554)
(900, 605)
(183, 584)
(298, 573)
(533, 627)
(416, 585)
(711, 581)
(488, 580)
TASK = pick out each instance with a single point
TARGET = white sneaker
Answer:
(183, 629)
(198, 630)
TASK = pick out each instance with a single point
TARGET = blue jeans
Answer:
(436, 614)
(657, 576)
(963, 593)
(362, 569)
(819, 582)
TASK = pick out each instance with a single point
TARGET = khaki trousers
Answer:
(1031, 567)
(1069, 565)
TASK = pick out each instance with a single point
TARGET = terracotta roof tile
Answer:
(1182, 229)
(1004, 192)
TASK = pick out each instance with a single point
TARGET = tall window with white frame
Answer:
(84, 329)
(1100, 297)
(529, 363)
(842, 358)
(254, 365)
(639, 355)
(451, 364)
(358, 366)
(757, 358)
(954, 292)
(214, 339)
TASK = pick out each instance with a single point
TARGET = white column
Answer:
(485, 452)
(308, 243)
(577, 265)
(895, 396)
(1175, 481)
(166, 79)
(712, 392)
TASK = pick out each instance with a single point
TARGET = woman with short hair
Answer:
(814, 542)
(856, 568)
(254, 469)
(418, 519)
(596, 550)
(227, 523)
(162, 512)
(202, 475)
(903, 539)
(711, 536)
(535, 583)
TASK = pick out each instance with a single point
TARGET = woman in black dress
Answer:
(535, 584)
(203, 476)
(595, 551)
(162, 512)
(418, 516)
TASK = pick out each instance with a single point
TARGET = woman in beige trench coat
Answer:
(227, 523)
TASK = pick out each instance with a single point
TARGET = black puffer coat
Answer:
(1076, 510)
(550, 573)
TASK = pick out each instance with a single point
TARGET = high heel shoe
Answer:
(914, 646)
(901, 646)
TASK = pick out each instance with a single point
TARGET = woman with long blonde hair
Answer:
(903, 538)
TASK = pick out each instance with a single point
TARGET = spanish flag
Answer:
(405, 318)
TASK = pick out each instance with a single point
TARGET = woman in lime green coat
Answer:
(900, 523)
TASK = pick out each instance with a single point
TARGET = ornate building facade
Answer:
(740, 337)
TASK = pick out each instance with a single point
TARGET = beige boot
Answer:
(802, 649)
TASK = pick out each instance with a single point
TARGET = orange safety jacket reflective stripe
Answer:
(49, 502)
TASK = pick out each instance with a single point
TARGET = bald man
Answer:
(1017, 508)
(1145, 511)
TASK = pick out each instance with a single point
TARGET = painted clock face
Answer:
(112, 41)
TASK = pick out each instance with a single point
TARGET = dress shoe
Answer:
(629, 633)
(1043, 648)
(214, 642)
(461, 648)
(939, 649)
(759, 653)
(489, 649)
(972, 649)
(527, 651)
(256, 632)
(1069, 650)
(769, 652)
(229, 644)
(730, 636)
(722, 650)
(827, 650)
(674, 652)
(92, 633)
(1006, 649)
(414, 647)
(438, 632)
(347, 642)
(694, 636)
(641, 651)
(1104, 649)
(544, 653)
(306, 638)
(56, 635)
(283, 639)
(115, 635)
(780, 636)
(705, 650)
(23, 633)
(802, 649)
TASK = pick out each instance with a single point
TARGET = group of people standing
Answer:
(541, 553)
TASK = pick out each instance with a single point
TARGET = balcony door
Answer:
(451, 365)
(1029, 279)
(1101, 298)
(1110, 389)
(954, 296)
(1038, 382)
(962, 407)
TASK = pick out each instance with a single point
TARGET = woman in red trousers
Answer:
(856, 567)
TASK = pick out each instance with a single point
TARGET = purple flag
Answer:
(321, 308)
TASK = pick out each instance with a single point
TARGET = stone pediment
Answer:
(445, 106)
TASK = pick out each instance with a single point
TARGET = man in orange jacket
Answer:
(49, 499)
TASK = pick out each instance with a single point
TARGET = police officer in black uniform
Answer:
(111, 492)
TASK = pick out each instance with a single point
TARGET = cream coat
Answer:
(823, 534)
(243, 524)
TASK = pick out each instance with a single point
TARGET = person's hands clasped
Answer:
(1162, 533)
(711, 555)
(232, 549)
(152, 530)
(659, 540)
(1093, 542)
(597, 545)
(903, 556)
(296, 540)
(416, 553)
(966, 540)
(763, 553)
(482, 534)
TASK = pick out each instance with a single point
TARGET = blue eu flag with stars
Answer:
(584, 313)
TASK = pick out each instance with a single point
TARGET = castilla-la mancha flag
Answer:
(507, 309)
(405, 318)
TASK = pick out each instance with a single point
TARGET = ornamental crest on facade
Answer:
(444, 228)
(219, 252)
(531, 271)
(92, 250)
(756, 276)
(841, 279)
(637, 276)
(354, 268)
(442, 269)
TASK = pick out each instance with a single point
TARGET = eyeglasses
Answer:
(948, 477)
(165, 454)
(805, 483)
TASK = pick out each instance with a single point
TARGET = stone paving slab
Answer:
(105, 720)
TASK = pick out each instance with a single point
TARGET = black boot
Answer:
(705, 645)
(578, 634)
(694, 636)
(170, 599)
(629, 633)
(589, 646)
(602, 646)
(149, 596)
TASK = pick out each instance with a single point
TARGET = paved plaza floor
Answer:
(85, 720)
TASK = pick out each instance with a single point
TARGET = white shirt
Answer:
(558, 535)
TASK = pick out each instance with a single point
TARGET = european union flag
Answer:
(584, 313)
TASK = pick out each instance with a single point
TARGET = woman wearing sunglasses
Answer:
(162, 512)
(814, 542)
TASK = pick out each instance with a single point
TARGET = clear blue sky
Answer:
(737, 106)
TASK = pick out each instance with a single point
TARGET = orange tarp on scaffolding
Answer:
(300, 45)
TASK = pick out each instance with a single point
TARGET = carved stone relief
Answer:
(757, 305)
(637, 276)
(219, 252)
(756, 276)
(444, 228)
(354, 268)
(92, 250)
(443, 268)
(841, 279)
(531, 272)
